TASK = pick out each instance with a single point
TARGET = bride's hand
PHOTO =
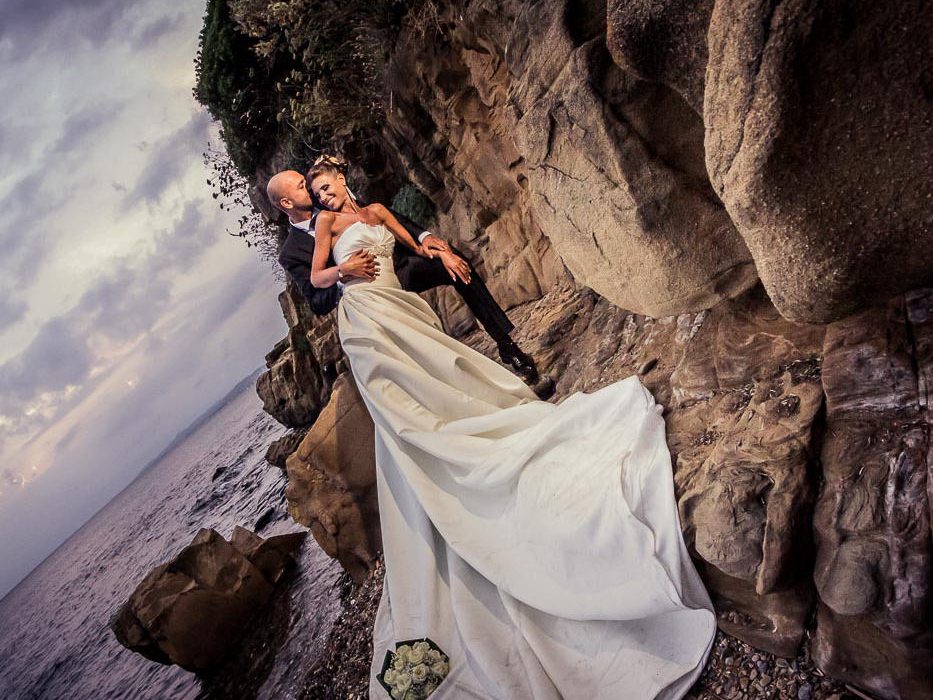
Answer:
(433, 245)
(456, 266)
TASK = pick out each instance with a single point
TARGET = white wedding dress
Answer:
(537, 544)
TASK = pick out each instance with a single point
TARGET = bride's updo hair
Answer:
(331, 165)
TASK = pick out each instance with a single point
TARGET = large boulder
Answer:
(819, 130)
(874, 565)
(616, 174)
(332, 481)
(192, 610)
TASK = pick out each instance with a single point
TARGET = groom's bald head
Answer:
(288, 193)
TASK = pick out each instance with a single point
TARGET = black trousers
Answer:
(418, 274)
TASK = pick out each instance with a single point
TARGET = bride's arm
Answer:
(321, 275)
(400, 232)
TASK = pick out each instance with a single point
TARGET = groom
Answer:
(288, 191)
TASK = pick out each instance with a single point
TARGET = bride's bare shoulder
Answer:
(376, 209)
(325, 217)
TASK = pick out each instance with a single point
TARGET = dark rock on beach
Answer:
(192, 610)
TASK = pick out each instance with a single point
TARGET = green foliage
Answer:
(333, 54)
(231, 83)
(411, 202)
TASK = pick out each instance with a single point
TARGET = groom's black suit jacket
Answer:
(415, 273)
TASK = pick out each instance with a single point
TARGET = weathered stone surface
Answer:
(819, 131)
(302, 367)
(281, 449)
(663, 41)
(332, 481)
(538, 139)
(746, 397)
(470, 168)
(192, 610)
(874, 565)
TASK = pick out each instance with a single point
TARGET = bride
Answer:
(537, 545)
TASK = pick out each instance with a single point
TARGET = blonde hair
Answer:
(326, 164)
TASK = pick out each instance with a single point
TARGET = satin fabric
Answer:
(537, 544)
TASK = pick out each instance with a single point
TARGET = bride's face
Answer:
(331, 190)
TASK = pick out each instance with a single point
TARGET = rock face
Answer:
(332, 481)
(874, 565)
(281, 449)
(819, 130)
(302, 366)
(745, 398)
(671, 155)
(192, 610)
(536, 131)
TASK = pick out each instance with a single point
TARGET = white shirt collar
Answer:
(305, 225)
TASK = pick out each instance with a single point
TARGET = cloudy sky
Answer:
(125, 308)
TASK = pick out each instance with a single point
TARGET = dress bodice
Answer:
(374, 239)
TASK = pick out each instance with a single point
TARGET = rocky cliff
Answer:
(731, 198)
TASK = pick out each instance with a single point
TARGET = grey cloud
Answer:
(123, 303)
(148, 34)
(181, 247)
(68, 438)
(79, 127)
(56, 357)
(11, 310)
(22, 239)
(36, 192)
(170, 159)
(28, 25)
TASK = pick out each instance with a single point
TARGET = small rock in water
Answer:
(264, 519)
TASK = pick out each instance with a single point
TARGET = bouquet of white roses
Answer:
(414, 670)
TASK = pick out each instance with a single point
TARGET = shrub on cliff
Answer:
(332, 54)
(231, 83)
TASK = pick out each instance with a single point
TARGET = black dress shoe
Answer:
(519, 361)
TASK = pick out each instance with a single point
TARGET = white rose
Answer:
(433, 655)
(396, 693)
(403, 682)
(389, 676)
(416, 656)
(440, 668)
(419, 673)
(424, 646)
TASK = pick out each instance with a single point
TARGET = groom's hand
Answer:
(360, 264)
(433, 245)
